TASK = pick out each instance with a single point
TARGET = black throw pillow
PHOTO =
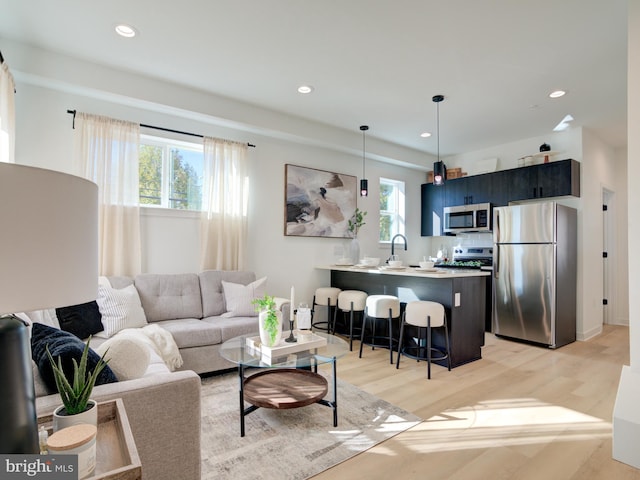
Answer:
(67, 346)
(82, 320)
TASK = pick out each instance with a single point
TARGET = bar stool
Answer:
(324, 297)
(425, 315)
(385, 307)
(350, 301)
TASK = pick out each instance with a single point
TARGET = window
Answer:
(171, 173)
(391, 209)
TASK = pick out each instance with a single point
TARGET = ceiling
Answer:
(374, 62)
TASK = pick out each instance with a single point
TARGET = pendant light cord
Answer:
(363, 128)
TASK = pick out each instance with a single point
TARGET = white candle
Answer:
(292, 307)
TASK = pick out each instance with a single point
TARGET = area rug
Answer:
(290, 444)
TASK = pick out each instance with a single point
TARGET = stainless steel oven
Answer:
(467, 218)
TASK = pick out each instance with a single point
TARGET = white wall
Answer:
(171, 239)
(49, 84)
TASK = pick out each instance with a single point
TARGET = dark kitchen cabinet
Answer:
(555, 179)
(432, 205)
(468, 190)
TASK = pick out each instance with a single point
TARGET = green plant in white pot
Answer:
(269, 320)
(76, 406)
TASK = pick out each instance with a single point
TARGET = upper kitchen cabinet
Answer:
(555, 179)
(488, 187)
(431, 211)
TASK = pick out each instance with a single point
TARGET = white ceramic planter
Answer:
(89, 416)
(265, 338)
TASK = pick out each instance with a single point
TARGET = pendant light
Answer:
(439, 168)
(364, 183)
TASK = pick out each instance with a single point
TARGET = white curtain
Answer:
(7, 115)
(223, 225)
(107, 154)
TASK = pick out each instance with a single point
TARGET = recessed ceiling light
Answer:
(425, 134)
(557, 93)
(125, 30)
(305, 89)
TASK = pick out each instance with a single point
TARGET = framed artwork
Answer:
(318, 203)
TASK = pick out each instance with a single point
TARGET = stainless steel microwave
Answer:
(467, 218)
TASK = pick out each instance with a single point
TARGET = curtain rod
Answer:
(73, 112)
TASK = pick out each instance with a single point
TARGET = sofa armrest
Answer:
(164, 415)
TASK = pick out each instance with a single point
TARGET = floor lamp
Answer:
(48, 258)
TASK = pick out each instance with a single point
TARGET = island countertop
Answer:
(410, 271)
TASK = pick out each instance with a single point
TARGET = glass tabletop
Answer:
(242, 351)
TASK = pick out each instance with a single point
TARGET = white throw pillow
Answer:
(120, 309)
(128, 357)
(238, 297)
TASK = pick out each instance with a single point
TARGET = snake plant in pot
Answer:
(76, 406)
(269, 320)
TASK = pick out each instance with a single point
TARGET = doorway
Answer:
(608, 256)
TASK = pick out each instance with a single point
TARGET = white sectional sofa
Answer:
(163, 406)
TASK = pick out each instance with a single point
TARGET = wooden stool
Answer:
(380, 307)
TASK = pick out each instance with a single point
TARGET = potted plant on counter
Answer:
(269, 320)
(76, 406)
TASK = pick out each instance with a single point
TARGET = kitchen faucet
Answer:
(393, 244)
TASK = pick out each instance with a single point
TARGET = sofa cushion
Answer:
(233, 327)
(169, 296)
(82, 320)
(128, 357)
(192, 332)
(120, 309)
(238, 298)
(66, 346)
(211, 286)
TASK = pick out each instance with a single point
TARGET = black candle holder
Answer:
(291, 338)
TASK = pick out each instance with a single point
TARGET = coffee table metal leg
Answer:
(333, 403)
(241, 374)
(335, 394)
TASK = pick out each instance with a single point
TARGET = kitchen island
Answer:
(462, 292)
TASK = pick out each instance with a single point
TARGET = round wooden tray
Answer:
(284, 388)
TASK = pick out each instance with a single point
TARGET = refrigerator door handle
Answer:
(496, 266)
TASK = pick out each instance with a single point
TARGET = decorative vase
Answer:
(354, 250)
(265, 336)
(62, 420)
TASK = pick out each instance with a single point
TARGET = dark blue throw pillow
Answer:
(67, 346)
(82, 320)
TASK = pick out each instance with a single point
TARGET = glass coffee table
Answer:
(290, 380)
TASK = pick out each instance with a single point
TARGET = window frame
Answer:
(167, 144)
(398, 224)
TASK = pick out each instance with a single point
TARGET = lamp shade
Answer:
(48, 258)
(49, 239)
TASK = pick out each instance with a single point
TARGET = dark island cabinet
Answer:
(555, 179)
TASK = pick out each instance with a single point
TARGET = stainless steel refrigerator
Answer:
(534, 273)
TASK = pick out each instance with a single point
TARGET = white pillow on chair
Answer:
(120, 309)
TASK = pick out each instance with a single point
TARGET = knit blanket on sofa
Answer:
(160, 340)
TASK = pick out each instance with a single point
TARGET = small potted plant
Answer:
(269, 320)
(76, 406)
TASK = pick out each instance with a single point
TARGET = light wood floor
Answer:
(521, 412)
